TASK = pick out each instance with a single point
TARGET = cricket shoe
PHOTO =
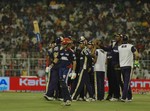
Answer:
(113, 99)
(49, 98)
(129, 100)
(89, 99)
(80, 99)
(67, 103)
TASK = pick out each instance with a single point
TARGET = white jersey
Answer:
(101, 60)
(125, 55)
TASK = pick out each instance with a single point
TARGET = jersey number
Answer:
(124, 46)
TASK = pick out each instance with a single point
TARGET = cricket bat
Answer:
(36, 26)
(37, 33)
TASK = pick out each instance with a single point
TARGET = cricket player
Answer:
(84, 78)
(53, 91)
(117, 81)
(65, 58)
(100, 69)
(127, 52)
(114, 72)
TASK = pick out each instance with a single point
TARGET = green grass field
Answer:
(36, 102)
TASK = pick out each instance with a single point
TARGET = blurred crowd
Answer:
(93, 19)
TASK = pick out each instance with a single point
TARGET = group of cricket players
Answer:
(77, 69)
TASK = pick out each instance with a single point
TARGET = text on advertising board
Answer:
(4, 83)
(31, 82)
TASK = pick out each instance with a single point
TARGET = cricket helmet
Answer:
(66, 41)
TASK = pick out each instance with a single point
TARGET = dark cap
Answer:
(58, 40)
(125, 38)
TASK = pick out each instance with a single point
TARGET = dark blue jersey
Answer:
(113, 50)
(115, 55)
(77, 53)
(66, 57)
(109, 57)
(55, 52)
(85, 59)
(50, 54)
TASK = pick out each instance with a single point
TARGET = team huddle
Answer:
(77, 69)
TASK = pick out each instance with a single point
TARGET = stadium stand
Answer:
(93, 19)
